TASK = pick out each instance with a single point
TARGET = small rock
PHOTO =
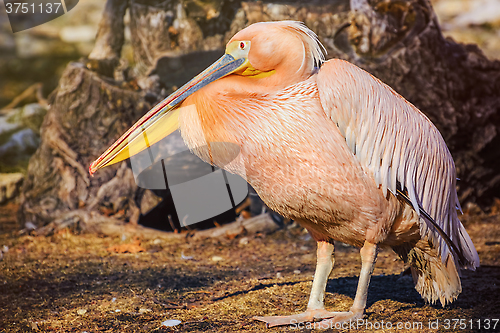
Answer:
(143, 310)
(113, 299)
(81, 312)
(5, 249)
(296, 271)
(30, 226)
(157, 241)
(279, 275)
(118, 310)
(217, 258)
(183, 257)
(20, 131)
(171, 322)
(244, 241)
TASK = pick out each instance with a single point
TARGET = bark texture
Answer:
(87, 113)
(110, 36)
(398, 41)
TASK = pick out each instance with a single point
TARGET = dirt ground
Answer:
(72, 282)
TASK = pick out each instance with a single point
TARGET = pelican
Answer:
(327, 145)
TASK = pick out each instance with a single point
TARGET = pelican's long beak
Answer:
(162, 120)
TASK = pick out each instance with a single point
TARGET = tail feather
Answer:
(468, 249)
(434, 278)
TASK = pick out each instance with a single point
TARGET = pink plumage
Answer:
(341, 153)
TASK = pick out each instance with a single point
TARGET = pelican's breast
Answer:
(291, 153)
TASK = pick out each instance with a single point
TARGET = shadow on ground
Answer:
(75, 283)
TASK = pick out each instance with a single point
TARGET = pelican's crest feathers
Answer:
(316, 49)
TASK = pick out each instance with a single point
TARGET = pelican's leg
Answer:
(315, 308)
(324, 265)
(368, 258)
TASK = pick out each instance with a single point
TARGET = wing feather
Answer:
(397, 144)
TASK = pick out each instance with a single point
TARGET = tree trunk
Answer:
(398, 41)
(87, 113)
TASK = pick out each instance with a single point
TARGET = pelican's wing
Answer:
(399, 146)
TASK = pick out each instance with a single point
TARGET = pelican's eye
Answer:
(242, 45)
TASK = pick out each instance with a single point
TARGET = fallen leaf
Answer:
(133, 247)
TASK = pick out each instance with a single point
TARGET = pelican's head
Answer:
(274, 53)
(286, 47)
